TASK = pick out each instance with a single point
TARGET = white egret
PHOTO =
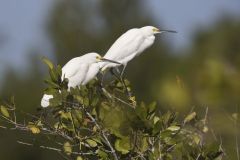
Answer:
(131, 44)
(79, 71)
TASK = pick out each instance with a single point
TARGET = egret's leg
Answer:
(102, 78)
(122, 80)
(131, 98)
(122, 72)
(115, 75)
(119, 78)
(105, 92)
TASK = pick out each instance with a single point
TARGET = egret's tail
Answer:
(45, 100)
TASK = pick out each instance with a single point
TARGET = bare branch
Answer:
(103, 134)
(54, 149)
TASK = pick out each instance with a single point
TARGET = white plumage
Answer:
(131, 44)
(45, 100)
(79, 71)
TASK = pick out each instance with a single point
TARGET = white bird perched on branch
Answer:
(79, 71)
(131, 44)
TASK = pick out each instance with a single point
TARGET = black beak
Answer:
(170, 31)
(108, 60)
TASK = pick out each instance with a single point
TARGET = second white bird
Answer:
(79, 71)
(131, 44)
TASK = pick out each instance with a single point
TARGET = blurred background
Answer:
(197, 68)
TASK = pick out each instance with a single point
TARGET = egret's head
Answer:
(150, 30)
(95, 58)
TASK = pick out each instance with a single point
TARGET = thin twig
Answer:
(62, 155)
(120, 100)
(213, 134)
(25, 128)
(236, 139)
(3, 127)
(99, 128)
(205, 118)
(171, 147)
(53, 149)
(221, 148)
(73, 124)
(198, 156)
(103, 134)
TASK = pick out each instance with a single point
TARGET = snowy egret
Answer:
(131, 44)
(79, 71)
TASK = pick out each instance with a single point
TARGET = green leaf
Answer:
(173, 128)
(79, 98)
(190, 117)
(155, 119)
(144, 144)
(205, 129)
(152, 107)
(59, 70)
(39, 123)
(102, 154)
(86, 101)
(65, 115)
(5, 112)
(196, 138)
(127, 82)
(94, 101)
(51, 83)
(53, 75)
(123, 145)
(79, 158)
(168, 118)
(119, 84)
(84, 90)
(34, 129)
(212, 151)
(48, 62)
(235, 116)
(91, 143)
(79, 115)
(55, 101)
(142, 111)
(67, 148)
(157, 128)
(165, 134)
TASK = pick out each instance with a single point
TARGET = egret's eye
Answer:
(98, 57)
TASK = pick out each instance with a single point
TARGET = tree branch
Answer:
(103, 134)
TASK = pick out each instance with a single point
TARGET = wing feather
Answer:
(72, 67)
(125, 45)
(75, 70)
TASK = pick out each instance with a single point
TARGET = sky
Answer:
(186, 16)
(21, 30)
(22, 24)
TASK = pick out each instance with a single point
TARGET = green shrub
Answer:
(96, 122)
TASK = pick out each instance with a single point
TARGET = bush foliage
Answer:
(103, 122)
